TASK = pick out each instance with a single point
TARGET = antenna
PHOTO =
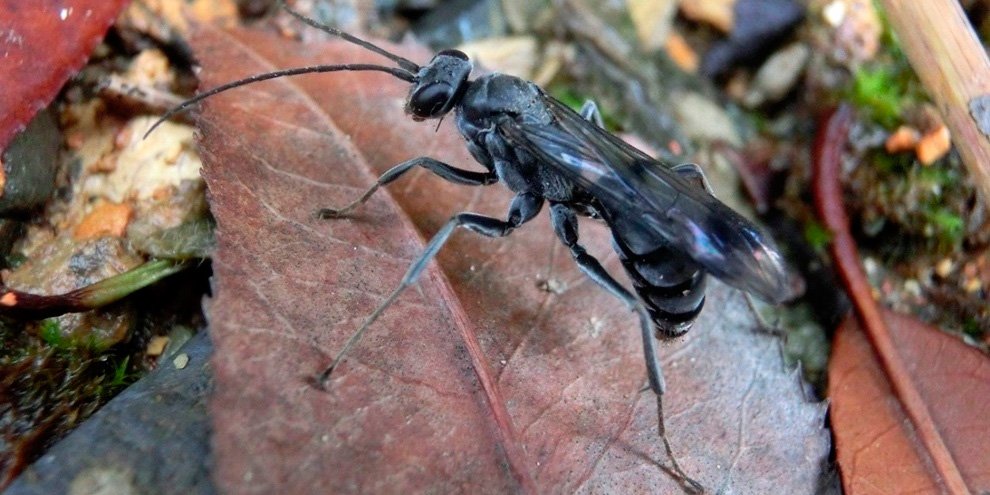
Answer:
(313, 69)
(406, 71)
(407, 64)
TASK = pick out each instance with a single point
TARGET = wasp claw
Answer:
(329, 213)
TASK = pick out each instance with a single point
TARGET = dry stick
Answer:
(828, 197)
(952, 64)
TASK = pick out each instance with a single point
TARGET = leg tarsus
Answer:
(687, 483)
(328, 213)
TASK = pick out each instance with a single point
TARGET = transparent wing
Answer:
(642, 193)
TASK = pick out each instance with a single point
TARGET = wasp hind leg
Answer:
(589, 110)
(565, 225)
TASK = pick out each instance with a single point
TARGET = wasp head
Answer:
(439, 85)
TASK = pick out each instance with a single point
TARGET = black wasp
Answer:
(668, 229)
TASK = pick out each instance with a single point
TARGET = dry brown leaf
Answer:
(875, 443)
(477, 379)
(909, 399)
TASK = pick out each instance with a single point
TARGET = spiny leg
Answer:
(524, 207)
(446, 172)
(565, 225)
(693, 173)
(763, 325)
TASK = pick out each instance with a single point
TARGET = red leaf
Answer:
(931, 382)
(43, 43)
(476, 379)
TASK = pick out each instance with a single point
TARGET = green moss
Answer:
(888, 85)
(972, 328)
(14, 260)
(899, 163)
(52, 384)
(817, 236)
(122, 376)
(946, 223)
(879, 93)
(50, 332)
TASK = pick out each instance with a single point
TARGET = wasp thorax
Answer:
(439, 85)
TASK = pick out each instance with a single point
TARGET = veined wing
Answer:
(640, 192)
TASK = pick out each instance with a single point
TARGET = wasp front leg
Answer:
(524, 208)
(444, 171)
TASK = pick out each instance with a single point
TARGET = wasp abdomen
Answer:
(670, 284)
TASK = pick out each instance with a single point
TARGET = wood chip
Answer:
(107, 219)
(652, 20)
(681, 53)
(905, 138)
(718, 13)
(156, 346)
(934, 145)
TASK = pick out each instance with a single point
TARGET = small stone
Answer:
(912, 287)
(778, 75)
(652, 20)
(944, 267)
(180, 361)
(857, 30)
(834, 13)
(703, 119)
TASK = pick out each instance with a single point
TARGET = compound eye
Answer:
(431, 100)
(453, 53)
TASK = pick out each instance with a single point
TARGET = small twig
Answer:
(829, 146)
(19, 304)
